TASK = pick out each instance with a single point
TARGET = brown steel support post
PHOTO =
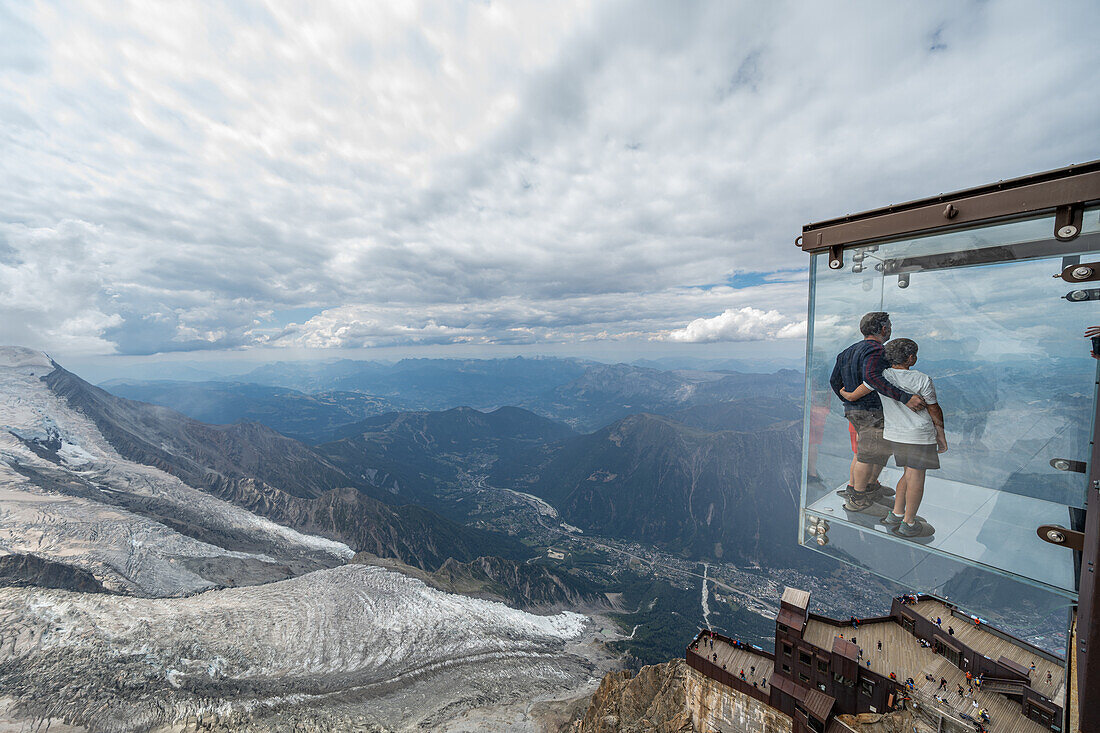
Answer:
(1088, 607)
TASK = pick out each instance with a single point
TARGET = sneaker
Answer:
(892, 518)
(909, 530)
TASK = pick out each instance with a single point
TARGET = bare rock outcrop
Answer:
(654, 700)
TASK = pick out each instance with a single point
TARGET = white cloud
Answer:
(418, 172)
(742, 324)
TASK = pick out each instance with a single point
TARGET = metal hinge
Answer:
(1067, 222)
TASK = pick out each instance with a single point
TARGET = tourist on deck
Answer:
(943, 683)
(950, 631)
(860, 363)
(916, 438)
(939, 621)
(1049, 678)
(880, 645)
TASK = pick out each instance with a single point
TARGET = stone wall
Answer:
(716, 708)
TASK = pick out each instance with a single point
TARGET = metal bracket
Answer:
(836, 257)
(1078, 296)
(1067, 222)
(1065, 464)
(1061, 536)
(1080, 273)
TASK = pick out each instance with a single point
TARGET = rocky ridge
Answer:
(652, 701)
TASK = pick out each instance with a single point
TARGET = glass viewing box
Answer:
(1000, 333)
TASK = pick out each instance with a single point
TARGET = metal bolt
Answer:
(857, 269)
(1078, 295)
(1061, 464)
(950, 212)
(1055, 536)
(1067, 231)
(1083, 272)
(835, 264)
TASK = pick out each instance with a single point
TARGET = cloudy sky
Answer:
(518, 176)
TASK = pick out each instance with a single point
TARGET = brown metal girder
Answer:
(1088, 608)
(948, 212)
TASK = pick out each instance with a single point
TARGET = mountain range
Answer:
(315, 400)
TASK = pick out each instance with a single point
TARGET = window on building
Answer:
(822, 667)
(787, 649)
(867, 687)
(804, 677)
(787, 668)
(804, 658)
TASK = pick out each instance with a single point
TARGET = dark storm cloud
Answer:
(174, 176)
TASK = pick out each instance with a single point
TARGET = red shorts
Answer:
(854, 436)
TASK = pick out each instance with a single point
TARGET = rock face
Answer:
(653, 701)
(268, 474)
(721, 709)
(28, 570)
(198, 454)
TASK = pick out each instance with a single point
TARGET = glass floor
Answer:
(978, 526)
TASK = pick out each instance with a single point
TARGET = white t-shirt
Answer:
(902, 424)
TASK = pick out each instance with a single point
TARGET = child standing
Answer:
(917, 438)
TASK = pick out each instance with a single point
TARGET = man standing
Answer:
(863, 362)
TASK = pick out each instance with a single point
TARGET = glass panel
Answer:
(1014, 378)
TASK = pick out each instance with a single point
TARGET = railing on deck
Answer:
(709, 669)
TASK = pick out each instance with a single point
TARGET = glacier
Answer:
(169, 643)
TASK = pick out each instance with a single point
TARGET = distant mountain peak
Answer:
(20, 357)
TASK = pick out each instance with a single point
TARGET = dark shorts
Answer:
(872, 448)
(916, 456)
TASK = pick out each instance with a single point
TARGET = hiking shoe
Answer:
(908, 530)
(892, 518)
(874, 492)
(881, 490)
(860, 502)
